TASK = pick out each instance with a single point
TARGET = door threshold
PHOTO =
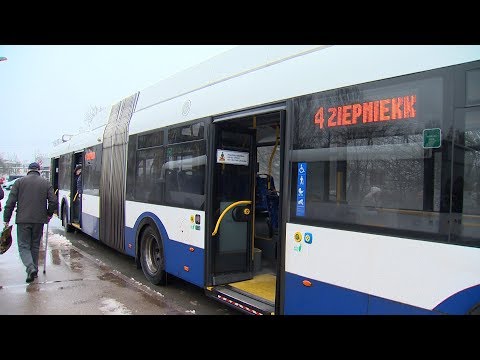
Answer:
(240, 301)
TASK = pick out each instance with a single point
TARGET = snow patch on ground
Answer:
(113, 307)
(83, 243)
(57, 240)
(145, 286)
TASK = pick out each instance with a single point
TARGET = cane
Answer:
(46, 241)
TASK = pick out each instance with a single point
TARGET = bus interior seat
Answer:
(261, 193)
(267, 201)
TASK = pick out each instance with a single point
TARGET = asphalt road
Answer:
(85, 277)
(178, 294)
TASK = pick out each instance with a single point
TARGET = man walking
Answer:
(30, 194)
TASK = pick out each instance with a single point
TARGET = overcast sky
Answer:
(47, 90)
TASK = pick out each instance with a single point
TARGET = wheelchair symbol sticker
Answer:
(301, 188)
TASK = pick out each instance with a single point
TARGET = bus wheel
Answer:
(151, 256)
(68, 228)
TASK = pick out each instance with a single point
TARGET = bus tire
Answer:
(152, 257)
(68, 228)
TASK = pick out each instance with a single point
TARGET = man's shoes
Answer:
(31, 276)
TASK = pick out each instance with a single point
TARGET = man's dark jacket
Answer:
(31, 194)
(1, 196)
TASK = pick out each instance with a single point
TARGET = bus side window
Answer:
(191, 181)
(171, 180)
(198, 179)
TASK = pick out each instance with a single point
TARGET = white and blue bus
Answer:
(295, 179)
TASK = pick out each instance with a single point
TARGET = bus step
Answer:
(240, 301)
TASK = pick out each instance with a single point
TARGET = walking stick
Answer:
(45, 259)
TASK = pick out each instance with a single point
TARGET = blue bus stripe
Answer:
(461, 302)
(322, 299)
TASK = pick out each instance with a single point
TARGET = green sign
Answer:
(432, 138)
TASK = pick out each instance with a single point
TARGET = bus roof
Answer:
(231, 63)
(161, 104)
(80, 141)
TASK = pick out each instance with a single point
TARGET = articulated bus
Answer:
(295, 179)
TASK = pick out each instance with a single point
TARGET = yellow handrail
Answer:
(75, 197)
(56, 192)
(241, 202)
(271, 157)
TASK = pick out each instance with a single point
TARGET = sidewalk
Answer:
(74, 284)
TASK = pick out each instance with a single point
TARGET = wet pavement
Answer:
(74, 283)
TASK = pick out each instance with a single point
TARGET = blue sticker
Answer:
(301, 188)
(308, 237)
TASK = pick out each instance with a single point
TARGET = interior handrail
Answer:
(241, 202)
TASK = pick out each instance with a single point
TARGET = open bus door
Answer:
(54, 164)
(236, 274)
(76, 197)
(233, 178)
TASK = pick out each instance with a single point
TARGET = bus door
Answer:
(76, 198)
(54, 165)
(231, 216)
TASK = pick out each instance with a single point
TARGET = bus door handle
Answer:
(241, 213)
(227, 209)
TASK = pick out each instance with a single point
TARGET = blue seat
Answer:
(261, 193)
(273, 202)
(267, 200)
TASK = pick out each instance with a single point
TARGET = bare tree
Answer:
(3, 164)
(9, 164)
(41, 158)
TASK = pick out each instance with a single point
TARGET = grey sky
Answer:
(46, 90)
